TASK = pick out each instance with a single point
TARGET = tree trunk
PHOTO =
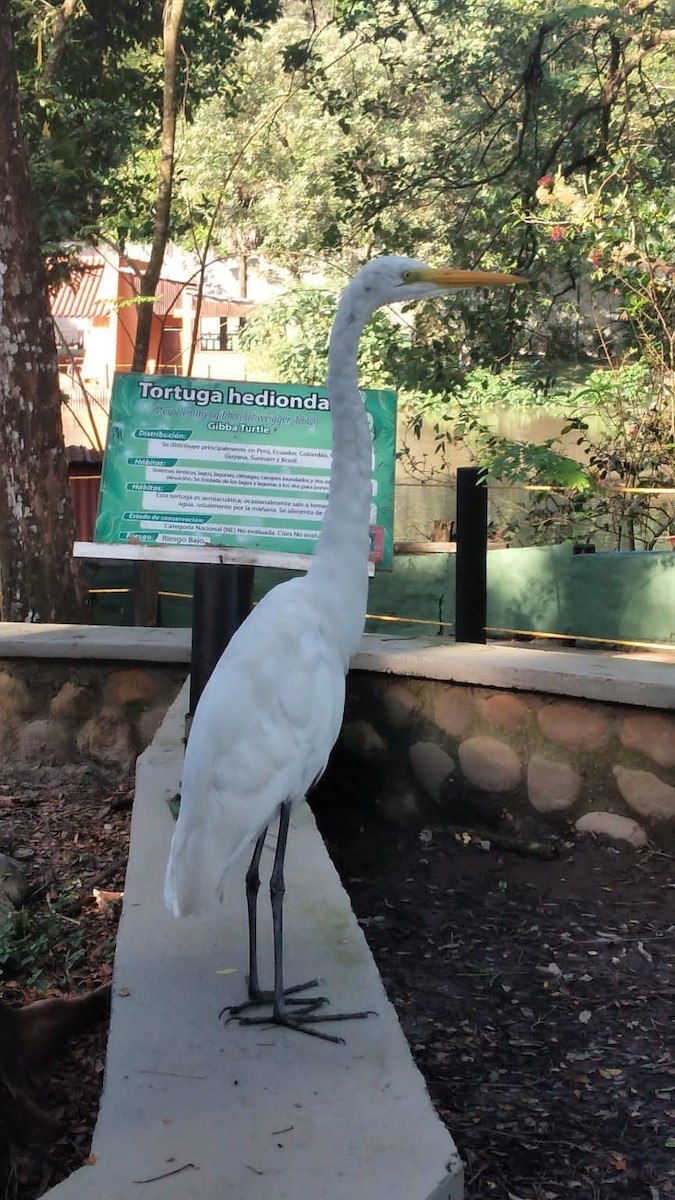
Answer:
(172, 17)
(61, 18)
(243, 275)
(38, 581)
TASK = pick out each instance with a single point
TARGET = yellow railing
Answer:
(536, 634)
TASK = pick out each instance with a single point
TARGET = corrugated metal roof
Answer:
(84, 491)
(171, 295)
(79, 297)
(211, 307)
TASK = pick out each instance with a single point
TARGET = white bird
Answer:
(271, 711)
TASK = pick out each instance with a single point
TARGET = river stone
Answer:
(8, 728)
(107, 738)
(14, 695)
(551, 786)
(130, 687)
(646, 793)
(400, 704)
(149, 722)
(453, 710)
(575, 725)
(490, 764)
(362, 740)
(612, 825)
(431, 766)
(504, 710)
(71, 700)
(43, 741)
(652, 734)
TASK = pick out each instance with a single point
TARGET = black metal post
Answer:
(146, 594)
(222, 599)
(471, 559)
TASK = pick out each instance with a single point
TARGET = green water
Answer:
(419, 504)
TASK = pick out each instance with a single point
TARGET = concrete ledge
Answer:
(646, 679)
(641, 679)
(121, 642)
(208, 1110)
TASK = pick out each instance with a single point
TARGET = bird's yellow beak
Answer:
(448, 277)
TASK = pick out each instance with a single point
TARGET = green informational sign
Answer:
(204, 462)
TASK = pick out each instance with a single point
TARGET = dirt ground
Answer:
(69, 827)
(537, 996)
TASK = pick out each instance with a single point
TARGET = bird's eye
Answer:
(406, 276)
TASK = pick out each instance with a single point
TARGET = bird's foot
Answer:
(301, 1022)
(257, 997)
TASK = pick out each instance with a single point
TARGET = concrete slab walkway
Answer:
(195, 1107)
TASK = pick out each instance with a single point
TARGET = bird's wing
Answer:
(262, 733)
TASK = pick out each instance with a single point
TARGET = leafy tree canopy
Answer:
(91, 91)
(426, 128)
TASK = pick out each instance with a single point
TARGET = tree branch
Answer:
(171, 23)
(62, 19)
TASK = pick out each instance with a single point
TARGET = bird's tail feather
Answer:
(196, 875)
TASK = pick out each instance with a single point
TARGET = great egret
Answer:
(271, 711)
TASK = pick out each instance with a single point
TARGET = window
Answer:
(220, 333)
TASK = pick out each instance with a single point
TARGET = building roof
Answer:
(212, 307)
(79, 296)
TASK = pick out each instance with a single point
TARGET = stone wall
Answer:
(54, 711)
(480, 754)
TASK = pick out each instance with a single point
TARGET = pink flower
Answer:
(544, 181)
(558, 232)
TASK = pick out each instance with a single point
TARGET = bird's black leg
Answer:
(277, 892)
(304, 1017)
(256, 995)
(252, 886)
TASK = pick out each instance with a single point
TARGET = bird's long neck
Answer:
(340, 565)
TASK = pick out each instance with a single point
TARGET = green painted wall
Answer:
(547, 589)
(623, 596)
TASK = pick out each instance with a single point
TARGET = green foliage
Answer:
(513, 387)
(37, 943)
(91, 103)
(618, 492)
(293, 332)
(428, 129)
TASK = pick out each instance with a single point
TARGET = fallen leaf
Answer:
(618, 1162)
(105, 901)
(228, 971)
(123, 992)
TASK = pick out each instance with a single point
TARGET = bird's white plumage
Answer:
(261, 734)
(271, 712)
